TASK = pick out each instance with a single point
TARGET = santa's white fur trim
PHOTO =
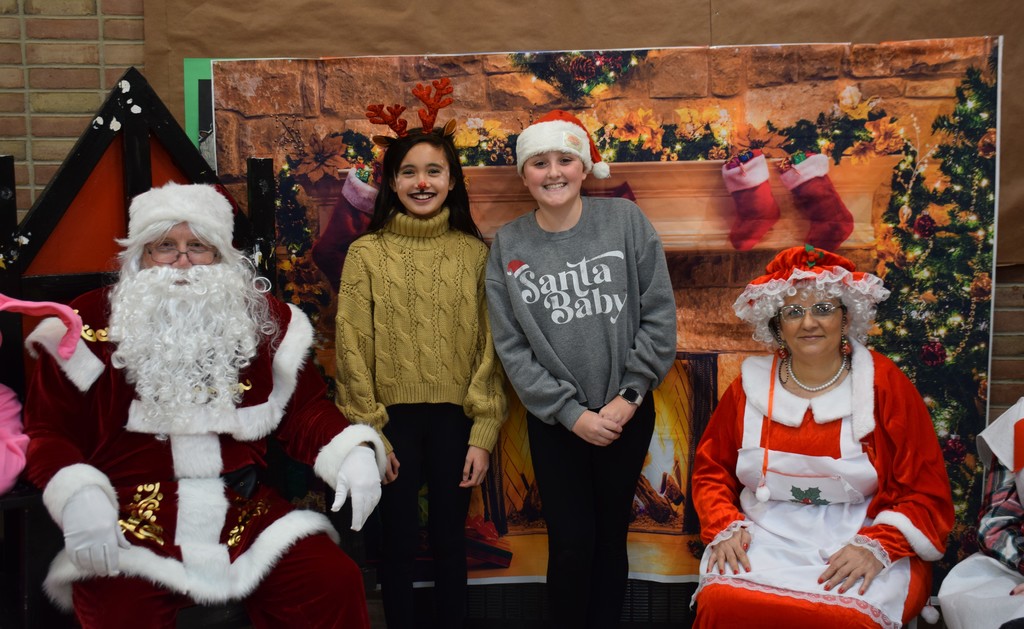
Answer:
(291, 354)
(67, 482)
(202, 512)
(202, 509)
(207, 565)
(199, 205)
(82, 368)
(328, 462)
(749, 175)
(918, 540)
(196, 456)
(242, 577)
(811, 168)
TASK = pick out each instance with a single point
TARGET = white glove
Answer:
(359, 477)
(92, 537)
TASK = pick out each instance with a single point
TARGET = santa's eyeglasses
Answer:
(168, 253)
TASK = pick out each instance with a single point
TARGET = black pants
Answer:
(587, 496)
(430, 441)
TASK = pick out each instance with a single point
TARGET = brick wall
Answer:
(60, 58)
(58, 61)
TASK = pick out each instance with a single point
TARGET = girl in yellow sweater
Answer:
(415, 360)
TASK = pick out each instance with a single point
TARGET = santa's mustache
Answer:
(194, 280)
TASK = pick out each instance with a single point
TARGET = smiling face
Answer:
(554, 179)
(423, 181)
(815, 337)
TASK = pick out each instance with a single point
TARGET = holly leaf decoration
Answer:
(809, 496)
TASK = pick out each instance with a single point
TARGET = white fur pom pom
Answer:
(762, 493)
(601, 170)
(930, 614)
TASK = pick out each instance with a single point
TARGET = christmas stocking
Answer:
(746, 179)
(348, 221)
(816, 197)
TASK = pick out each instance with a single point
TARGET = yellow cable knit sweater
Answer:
(412, 326)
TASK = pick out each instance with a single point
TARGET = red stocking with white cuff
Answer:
(817, 199)
(349, 219)
(746, 179)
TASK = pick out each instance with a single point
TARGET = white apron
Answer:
(817, 505)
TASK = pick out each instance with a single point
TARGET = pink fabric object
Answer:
(43, 308)
(13, 443)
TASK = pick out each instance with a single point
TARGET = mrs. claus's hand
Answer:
(848, 565)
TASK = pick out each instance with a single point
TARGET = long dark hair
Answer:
(388, 204)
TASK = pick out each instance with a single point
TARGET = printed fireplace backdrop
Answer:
(903, 135)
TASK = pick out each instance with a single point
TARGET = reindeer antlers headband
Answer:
(435, 97)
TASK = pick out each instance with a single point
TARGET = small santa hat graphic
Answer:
(516, 267)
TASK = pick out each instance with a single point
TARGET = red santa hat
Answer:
(821, 269)
(202, 206)
(806, 261)
(561, 131)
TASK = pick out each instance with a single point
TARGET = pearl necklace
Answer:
(820, 387)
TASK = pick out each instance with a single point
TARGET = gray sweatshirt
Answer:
(579, 315)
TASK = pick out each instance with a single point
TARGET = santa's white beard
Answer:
(182, 337)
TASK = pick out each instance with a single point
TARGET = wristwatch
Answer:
(631, 396)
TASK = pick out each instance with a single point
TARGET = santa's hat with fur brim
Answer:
(202, 206)
(560, 131)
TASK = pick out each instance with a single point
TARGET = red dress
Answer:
(883, 486)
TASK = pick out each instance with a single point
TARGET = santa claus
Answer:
(149, 441)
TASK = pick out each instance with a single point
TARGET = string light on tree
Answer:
(938, 328)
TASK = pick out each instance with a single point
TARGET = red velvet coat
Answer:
(188, 530)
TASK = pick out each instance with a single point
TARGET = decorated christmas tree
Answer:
(300, 281)
(936, 252)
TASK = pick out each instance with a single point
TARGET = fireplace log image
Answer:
(658, 507)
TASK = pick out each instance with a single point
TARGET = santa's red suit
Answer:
(189, 529)
(859, 464)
